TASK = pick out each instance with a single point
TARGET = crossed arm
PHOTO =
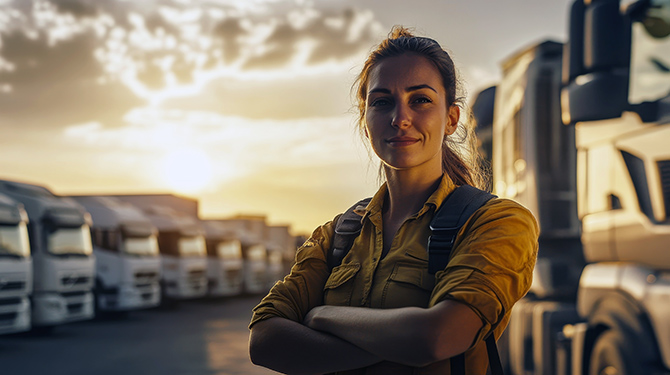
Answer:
(335, 338)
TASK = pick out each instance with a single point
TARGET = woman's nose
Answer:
(401, 117)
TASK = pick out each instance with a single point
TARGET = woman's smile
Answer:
(402, 141)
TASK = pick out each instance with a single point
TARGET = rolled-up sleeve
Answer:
(492, 262)
(302, 289)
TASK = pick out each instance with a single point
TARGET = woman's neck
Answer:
(409, 190)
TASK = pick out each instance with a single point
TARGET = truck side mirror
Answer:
(598, 57)
(657, 18)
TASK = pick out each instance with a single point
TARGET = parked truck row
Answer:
(64, 259)
(579, 132)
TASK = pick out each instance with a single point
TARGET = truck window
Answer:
(192, 246)
(14, 240)
(229, 249)
(649, 66)
(255, 252)
(67, 241)
(140, 245)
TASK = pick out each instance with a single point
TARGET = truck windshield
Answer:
(275, 257)
(67, 241)
(190, 246)
(14, 240)
(649, 66)
(229, 249)
(256, 252)
(140, 245)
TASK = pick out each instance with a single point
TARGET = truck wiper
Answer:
(10, 255)
(660, 65)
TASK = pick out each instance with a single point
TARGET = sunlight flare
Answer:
(187, 170)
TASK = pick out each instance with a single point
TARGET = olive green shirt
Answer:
(491, 268)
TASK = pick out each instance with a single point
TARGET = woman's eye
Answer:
(379, 102)
(423, 99)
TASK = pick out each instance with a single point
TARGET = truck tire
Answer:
(614, 354)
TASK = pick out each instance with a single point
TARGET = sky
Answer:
(244, 105)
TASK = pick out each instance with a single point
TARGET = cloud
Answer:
(55, 86)
(75, 61)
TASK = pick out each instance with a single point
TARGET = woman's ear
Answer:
(452, 119)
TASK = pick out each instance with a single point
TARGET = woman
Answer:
(380, 311)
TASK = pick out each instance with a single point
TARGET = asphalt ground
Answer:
(201, 337)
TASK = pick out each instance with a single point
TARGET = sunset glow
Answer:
(242, 105)
(187, 170)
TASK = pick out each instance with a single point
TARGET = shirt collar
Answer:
(374, 208)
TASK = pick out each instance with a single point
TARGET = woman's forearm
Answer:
(292, 348)
(410, 335)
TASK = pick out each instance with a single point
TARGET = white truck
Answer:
(600, 188)
(225, 266)
(251, 231)
(16, 273)
(62, 255)
(126, 253)
(281, 251)
(182, 248)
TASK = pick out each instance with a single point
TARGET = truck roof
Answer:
(110, 211)
(38, 200)
(543, 48)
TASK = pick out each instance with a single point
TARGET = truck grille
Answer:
(7, 318)
(10, 301)
(146, 275)
(233, 276)
(73, 294)
(12, 285)
(75, 308)
(664, 171)
(75, 280)
(145, 279)
(196, 278)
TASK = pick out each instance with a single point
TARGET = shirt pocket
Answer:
(408, 285)
(340, 285)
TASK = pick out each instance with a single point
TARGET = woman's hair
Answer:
(461, 159)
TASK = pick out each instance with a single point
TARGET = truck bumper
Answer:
(15, 317)
(54, 308)
(130, 297)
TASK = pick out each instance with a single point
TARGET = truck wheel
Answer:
(614, 354)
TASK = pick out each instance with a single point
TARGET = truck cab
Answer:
(280, 245)
(579, 136)
(62, 255)
(251, 231)
(16, 273)
(126, 252)
(183, 251)
(225, 266)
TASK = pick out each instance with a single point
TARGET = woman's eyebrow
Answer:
(409, 89)
(419, 87)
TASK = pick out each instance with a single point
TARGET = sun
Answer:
(187, 170)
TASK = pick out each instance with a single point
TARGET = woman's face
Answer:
(406, 115)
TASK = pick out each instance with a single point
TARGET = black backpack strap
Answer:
(347, 228)
(494, 357)
(457, 364)
(449, 218)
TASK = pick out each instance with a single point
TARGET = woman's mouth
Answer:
(401, 141)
